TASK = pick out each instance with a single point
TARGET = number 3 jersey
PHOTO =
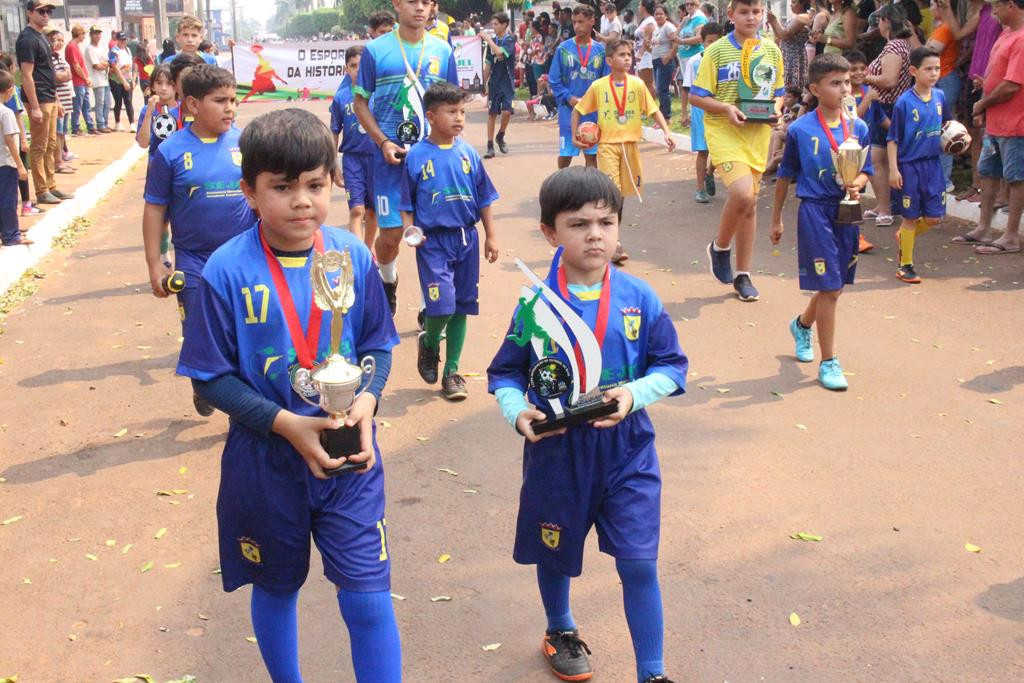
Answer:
(197, 180)
(239, 327)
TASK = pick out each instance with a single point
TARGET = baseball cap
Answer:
(95, 29)
(36, 4)
(117, 35)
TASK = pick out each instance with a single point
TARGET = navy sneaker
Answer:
(721, 263)
(489, 154)
(500, 139)
(709, 184)
(202, 406)
(427, 360)
(745, 289)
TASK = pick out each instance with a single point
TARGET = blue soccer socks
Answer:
(641, 597)
(275, 623)
(373, 634)
(554, 593)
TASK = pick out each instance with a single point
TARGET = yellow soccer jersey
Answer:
(600, 98)
(718, 77)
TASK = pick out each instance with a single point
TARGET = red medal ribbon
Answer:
(625, 95)
(828, 131)
(584, 59)
(305, 349)
(601, 324)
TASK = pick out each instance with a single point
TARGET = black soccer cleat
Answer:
(489, 154)
(391, 292)
(203, 406)
(426, 359)
(567, 655)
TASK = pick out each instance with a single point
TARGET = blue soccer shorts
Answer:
(604, 477)
(270, 504)
(385, 185)
(697, 141)
(448, 262)
(357, 172)
(566, 134)
(924, 190)
(826, 252)
(500, 100)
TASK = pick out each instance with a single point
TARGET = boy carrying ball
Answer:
(605, 472)
(827, 250)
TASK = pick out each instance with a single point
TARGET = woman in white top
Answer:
(663, 57)
(643, 41)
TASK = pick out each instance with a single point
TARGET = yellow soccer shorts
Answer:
(731, 171)
(620, 161)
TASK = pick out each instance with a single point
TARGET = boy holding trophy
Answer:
(826, 152)
(739, 86)
(600, 341)
(256, 346)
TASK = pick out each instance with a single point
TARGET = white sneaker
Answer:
(119, 128)
(883, 221)
(132, 127)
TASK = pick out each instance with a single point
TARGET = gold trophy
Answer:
(336, 380)
(849, 159)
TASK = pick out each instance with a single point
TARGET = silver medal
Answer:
(301, 382)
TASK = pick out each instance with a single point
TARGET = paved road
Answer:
(920, 457)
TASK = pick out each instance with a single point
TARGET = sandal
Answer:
(996, 249)
(968, 240)
(968, 194)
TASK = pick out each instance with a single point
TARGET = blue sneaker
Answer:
(745, 289)
(721, 263)
(701, 197)
(804, 344)
(830, 374)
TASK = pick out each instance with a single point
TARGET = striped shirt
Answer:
(901, 48)
(65, 91)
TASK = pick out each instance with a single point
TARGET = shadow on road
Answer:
(139, 369)
(1004, 600)
(124, 290)
(1002, 380)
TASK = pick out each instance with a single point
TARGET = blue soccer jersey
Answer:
(916, 126)
(570, 76)
(397, 74)
(445, 186)
(269, 503)
(354, 139)
(808, 156)
(154, 139)
(197, 180)
(501, 77)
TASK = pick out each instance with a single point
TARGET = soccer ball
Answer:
(164, 125)
(588, 133)
(955, 138)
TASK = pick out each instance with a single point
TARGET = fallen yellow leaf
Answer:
(182, 470)
(251, 639)
(90, 556)
(423, 438)
(160, 534)
(794, 618)
(441, 598)
(10, 679)
(11, 520)
(120, 433)
(126, 548)
(995, 401)
(146, 567)
(801, 427)
(491, 647)
(971, 548)
(444, 558)
(180, 492)
(173, 565)
(111, 543)
(398, 597)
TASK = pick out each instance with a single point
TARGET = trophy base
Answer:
(759, 111)
(576, 417)
(341, 443)
(849, 212)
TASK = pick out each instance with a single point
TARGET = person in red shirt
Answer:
(80, 81)
(1001, 111)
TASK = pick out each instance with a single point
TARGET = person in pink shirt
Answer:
(1001, 111)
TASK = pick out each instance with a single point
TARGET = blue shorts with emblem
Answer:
(587, 476)
(357, 171)
(270, 504)
(386, 183)
(924, 190)
(1002, 157)
(500, 100)
(566, 134)
(448, 262)
(826, 252)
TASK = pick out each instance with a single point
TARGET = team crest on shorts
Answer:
(550, 534)
(906, 202)
(819, 266)
(726, 167)
(433, 291)
(250, 550)
(434, 67)
(236, 156)
(631, 319)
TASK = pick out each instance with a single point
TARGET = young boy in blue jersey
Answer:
(867, 108)
(254, 325)
(606, 472)
(396, 69)
(445, 192)
(192, 181)
(826, 250)
(577, 63)
(356, 153)
(499, 65)
(915, 164)
(705, 176)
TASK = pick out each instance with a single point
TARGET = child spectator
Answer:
(65, 101)
(826, 250)
(445, 192)
(620, 101)
(14, 104)
(867, 111)
(605, 472)
(162, 101)
(273, 442)
(545, 98)
(11, 168)
(705, 176)
(914, 148)
(790, 112)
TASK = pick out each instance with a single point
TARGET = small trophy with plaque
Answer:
(756, 85)
(334, 384)
(568, 370)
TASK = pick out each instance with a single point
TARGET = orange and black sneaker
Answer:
(908, 274)
(567, 655)
(864, 246)
(660, 678)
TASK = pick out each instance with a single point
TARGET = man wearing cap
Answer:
(39, 90)
(80, 80)
(98, 66)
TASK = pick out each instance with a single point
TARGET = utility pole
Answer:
(234, 21)
(160, 20)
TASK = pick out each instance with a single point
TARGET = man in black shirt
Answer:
(39, 90)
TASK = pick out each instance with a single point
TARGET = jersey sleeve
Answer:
(1015, 65)
(648, 104)
(510, 366)
(864, 138)
(664, 354)
(560, 89)
(452, 74)
(337, 117)
(588, 103)
(486, 193)
(366, 79)
(159, 179)
(210, 349)
(142, 112)
(897, 123)
(706, 82)
(789, 167)
(406, 189)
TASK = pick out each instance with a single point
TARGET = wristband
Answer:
(381, 143)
